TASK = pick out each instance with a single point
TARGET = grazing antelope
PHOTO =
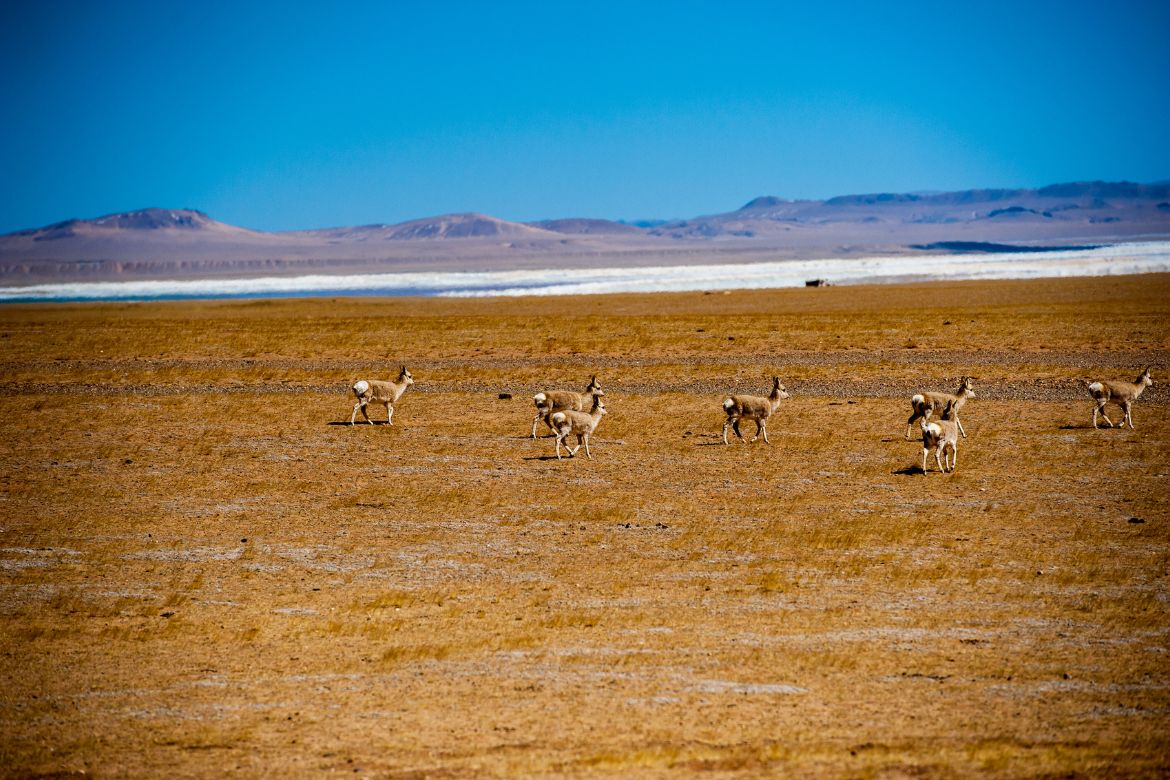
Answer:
(549, 401)
(924, 404)
(1121, 393)
(752, 407)
(581, 424)
(377, 392)
(941, 436)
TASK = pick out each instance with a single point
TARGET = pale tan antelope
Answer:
(752, 407)
(388, 393)
(582, 424)
(1119, 392)
(924, 404)
(942, 436)
(549, 401)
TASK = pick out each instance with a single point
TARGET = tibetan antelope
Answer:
(582, 424)
(388, 393)
(942, 436)
(924, 404)
(752, 407)
(1119, 392)
(549, 401)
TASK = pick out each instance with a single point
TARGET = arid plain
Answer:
(204, 571)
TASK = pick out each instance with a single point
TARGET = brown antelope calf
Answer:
(942, 436)
(1119, 392)
(570, 422)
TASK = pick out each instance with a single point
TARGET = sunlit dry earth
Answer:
(204, 570)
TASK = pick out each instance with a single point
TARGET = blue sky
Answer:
(283, 115)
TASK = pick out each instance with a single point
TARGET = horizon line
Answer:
(633, 222)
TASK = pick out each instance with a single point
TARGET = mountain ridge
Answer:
(188, 243)
(476, 224)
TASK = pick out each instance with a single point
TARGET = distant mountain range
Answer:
(184, 243)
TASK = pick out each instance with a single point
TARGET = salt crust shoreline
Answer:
(1117, 259)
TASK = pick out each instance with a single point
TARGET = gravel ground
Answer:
(1036, 390)
(1078, 359)
(1079, 364)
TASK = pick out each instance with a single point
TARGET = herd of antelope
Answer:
(568, 413)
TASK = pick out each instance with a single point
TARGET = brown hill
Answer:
(446, 226)
(184, 243)
(1132, 208)
(141, 220)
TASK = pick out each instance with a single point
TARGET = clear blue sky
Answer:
(284, 115)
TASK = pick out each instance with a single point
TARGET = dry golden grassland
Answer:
(203, 571)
